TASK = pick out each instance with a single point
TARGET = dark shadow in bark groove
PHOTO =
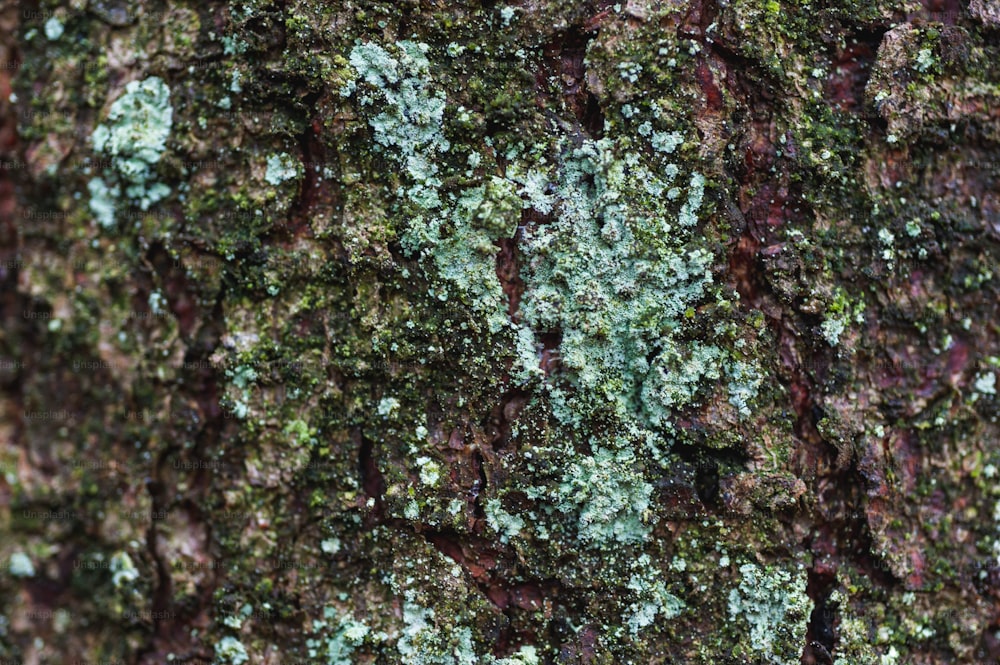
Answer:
(821, 633)
(565, 55)
(371, 476)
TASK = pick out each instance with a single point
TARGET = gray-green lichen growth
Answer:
(410, 113)
(774, 605)
(281, 168)
(652, 598)
(134, 136)
(336, 639)
(53, 29)
(21, 565)
(230, 650)
(452, 231)
(618, 270)
(621, 267)
(506, 525)
(123, 571)
(606, 494)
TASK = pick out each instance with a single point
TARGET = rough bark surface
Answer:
(500, 332)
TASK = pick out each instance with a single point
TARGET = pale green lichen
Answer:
(336, 639)
(676, 376)
(618, 270)
(460, 244)
(21, 565)
(507, 14)
(924, 60)
(666, 142)
(888, 240)
(452, 231)
(123, 571)
(696, 193)
(243, 377)
(653, 599)
(157, 303)
(526, 655)
(774, 604)
(986, 383)
(630, 71)
(233, 45)
(134, 135)
(102, 201)
(616, 273)
(743, 385)
(421, 643)
(890, 657)
(411, 114)
(231, 650)
(235, 621)
(53, 29)
(506, 525)
(608, 494)
(281, 167)
(833, 327)
(430, 471)
(387, 405)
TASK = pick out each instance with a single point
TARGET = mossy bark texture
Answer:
(500, 331)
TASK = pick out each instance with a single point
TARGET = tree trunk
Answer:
(471, 332)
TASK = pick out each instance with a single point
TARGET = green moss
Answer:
(839, 315)
(299, 433)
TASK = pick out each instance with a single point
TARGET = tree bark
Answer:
(483, 332)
